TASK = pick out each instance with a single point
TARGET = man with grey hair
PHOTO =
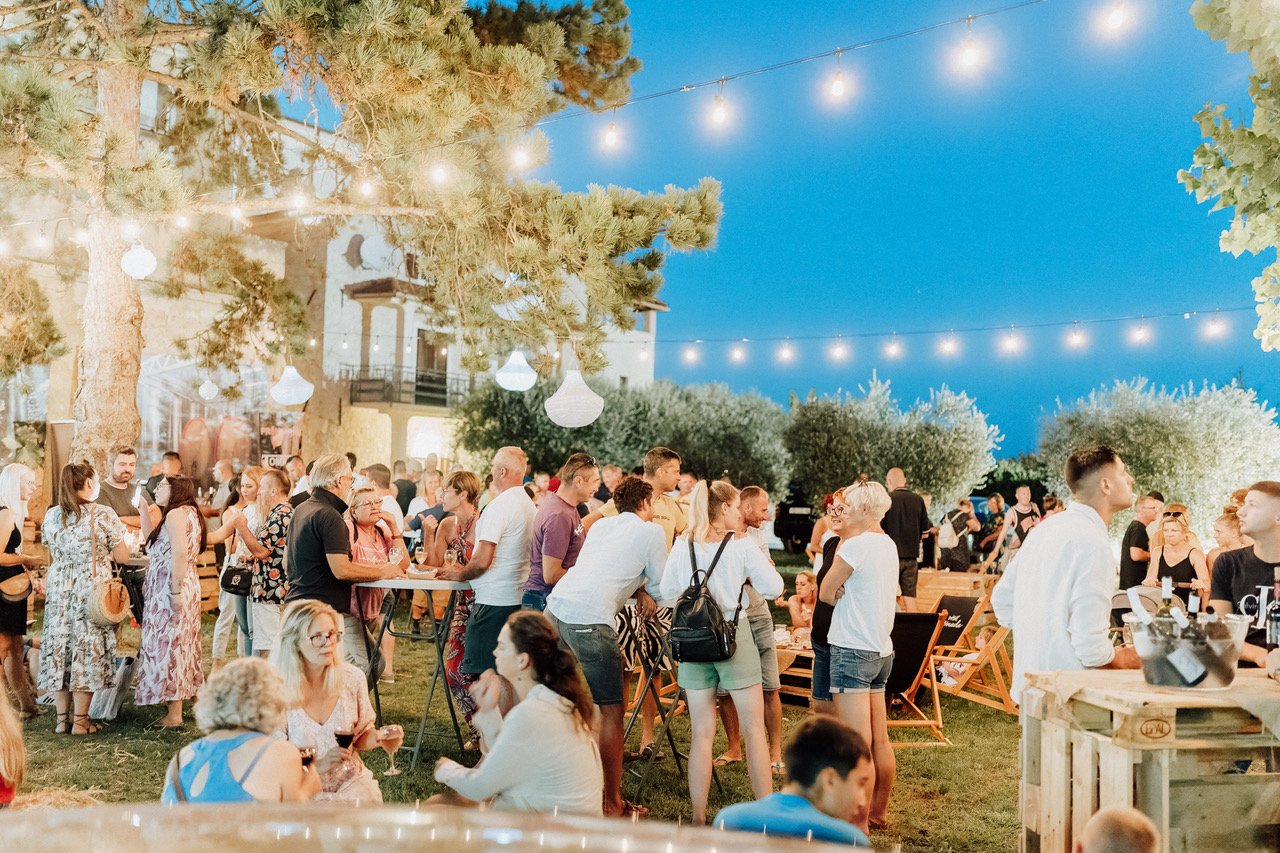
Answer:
(1118, 830)
(319, 547)
(499, 565)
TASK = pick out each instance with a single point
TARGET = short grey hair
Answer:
(246, 693)
(868, 496)
(329, 469)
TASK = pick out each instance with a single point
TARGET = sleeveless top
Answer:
(220, 786)
(13, 546)
(1181, 571)
(1020, 535)
(459, 543)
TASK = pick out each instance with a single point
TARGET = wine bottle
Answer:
(1166, 598)
(1185, 657)
(1193, 604)
(1195, 641)
(1273, 619)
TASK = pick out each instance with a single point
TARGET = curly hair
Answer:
(245, 694)
(631, 494)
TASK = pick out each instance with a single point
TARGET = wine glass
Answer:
(308, 755)
(344, 738)
(419, 551)
(450, 558)
(390, 738)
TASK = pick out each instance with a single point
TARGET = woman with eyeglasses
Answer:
(822, 533)
(329, 708)
(373, 542)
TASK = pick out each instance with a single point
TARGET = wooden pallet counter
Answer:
(1105, 738)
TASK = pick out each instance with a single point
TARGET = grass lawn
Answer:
(960, 798)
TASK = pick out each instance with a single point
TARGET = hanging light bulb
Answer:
(520, 157)
(1012, 343)
(1076, 338)
(690, 354)
(130, 231)
(969, 56)
(574, 404)
(893, 349)
(209, 389)
(1139, 335)
(516, 374)
(611, 135)
(181, 221)
(838, 350)
(837, 85)
(138, 262)
(292, 389)
(237, 212)
(81, 236)
(41, 241)
(444, 350)
(738, 354)
(366, 187)
(4, 248)
(786, 353)
(298, 201)
(720, 113)
(644, 353)
(948, 345)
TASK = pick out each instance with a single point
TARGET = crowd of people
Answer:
(571, 582)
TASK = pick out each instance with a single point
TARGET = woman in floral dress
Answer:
(77, 657)
(169, 662)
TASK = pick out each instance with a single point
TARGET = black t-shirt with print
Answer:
(1247, 582)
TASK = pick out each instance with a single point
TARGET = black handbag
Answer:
(699, 631)
(237, 580)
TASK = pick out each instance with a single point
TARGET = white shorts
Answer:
(266, 624)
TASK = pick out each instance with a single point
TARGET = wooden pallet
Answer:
(932, 585)
(1171, 754)
(207, 567)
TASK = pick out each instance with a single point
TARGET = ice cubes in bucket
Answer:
(1200, 654)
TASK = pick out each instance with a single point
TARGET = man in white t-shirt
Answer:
(623, 555)
(1056, 592)
(499, 565)
(754, 503)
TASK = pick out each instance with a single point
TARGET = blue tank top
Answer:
(220, 786)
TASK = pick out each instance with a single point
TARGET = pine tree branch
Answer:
(29, 25)
(14, 10)
(318, 207)
(273, 126)
(94, 21)
(183, 35)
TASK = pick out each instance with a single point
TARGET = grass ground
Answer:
(960, 798)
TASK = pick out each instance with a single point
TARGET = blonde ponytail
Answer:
(706, 505)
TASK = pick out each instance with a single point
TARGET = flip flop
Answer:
(635, 811)
(779, 769)
(725, 760)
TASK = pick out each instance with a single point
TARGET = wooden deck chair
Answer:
(964, 612)
(668, 690)
(986, 675)
(914, 637)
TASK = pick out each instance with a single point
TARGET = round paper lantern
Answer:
(575, 404)
(516, 374)
(209, 389)
(292, 389)
(138, 262)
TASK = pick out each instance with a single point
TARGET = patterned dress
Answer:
(169, 663)
(76, 654)
(269, 581)
(352, 782)
(459, 682)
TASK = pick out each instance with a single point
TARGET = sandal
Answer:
(635, 811)
(64, 723)
(779, 769)
(90, 727)
(646, 754)
(724, 760)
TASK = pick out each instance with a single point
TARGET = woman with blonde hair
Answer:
(77, 655)
(714, 515)
(232, 607)
(239, 760)
(266, 547)
(1175, 556)
(1226, 532)
(13, 755)
(329, 708)
(17, 485)
(862, 584)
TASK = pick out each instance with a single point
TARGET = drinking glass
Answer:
(308, 754)
(450, 558)
(344, 738)
(390, 738)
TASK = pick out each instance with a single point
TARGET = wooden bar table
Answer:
(1101, 738)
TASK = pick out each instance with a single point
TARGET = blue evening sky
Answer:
(1040, 189)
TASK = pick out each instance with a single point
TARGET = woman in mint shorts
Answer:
(713, 514)
(862, 584)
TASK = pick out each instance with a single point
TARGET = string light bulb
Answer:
(366, 187)
(786, 353)
(838, 349)
(298, 201)
(42, 241)
(440, 172)
(611, 135)
(738, 354)
(969, 56)
(1012, 343)
(312, 343)
(644, 353)
(893, 349)
(1139, 335)
(1215, 327)
(1076, 338)
(719, 114)
(4, 248)
(948, 345)
(690, 354)
(181, 221)
(520, 157)
(81, 236)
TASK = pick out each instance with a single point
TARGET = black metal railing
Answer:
(405, 385)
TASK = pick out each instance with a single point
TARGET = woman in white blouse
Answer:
(862, 584)
(713, 515)
(542, 755)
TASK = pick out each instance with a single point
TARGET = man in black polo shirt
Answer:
(906, 523)
(1135, 547)
(319, 546)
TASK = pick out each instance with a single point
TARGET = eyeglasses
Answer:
(319, 641)
(836, 509)
(364, 504)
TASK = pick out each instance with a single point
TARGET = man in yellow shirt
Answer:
(643, 640)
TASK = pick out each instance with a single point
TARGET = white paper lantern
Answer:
(138, 262)
(575, 404)
(516, 374)
(292, 389)
(209, 389)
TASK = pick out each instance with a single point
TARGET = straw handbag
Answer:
(108, 603)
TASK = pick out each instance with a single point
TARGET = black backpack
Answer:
(699, 631)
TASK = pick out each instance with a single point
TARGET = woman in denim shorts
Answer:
(714, 514)
(862, 584)
(822, 612)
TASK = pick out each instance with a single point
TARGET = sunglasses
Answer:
(1173, 514)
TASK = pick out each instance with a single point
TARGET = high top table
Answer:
(439, 636)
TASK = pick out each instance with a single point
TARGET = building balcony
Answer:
(407, 386)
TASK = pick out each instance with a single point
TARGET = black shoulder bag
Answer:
(699, 631)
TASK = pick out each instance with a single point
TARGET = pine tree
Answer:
(435, 99)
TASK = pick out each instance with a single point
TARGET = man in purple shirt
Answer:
(557, 529)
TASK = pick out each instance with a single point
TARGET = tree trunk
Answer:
(106, 407)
